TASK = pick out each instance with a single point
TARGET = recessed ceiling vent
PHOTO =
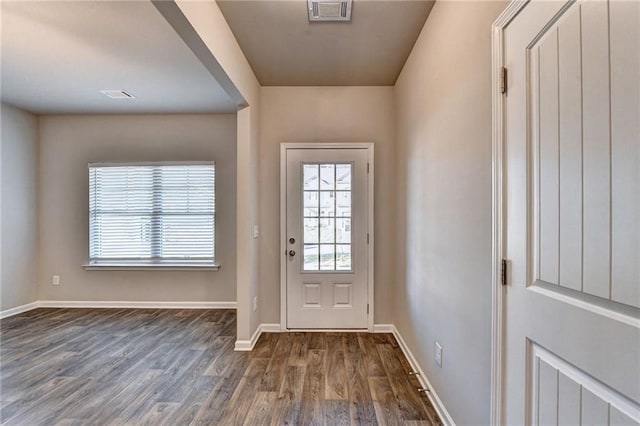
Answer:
(329, 10)
(117, 94)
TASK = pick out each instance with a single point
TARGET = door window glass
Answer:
(327, 218)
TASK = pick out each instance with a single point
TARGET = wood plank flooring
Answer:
(178, 367)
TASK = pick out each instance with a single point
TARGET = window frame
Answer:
(154, 263)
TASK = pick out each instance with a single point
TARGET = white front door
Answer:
(326, 238)
(572, 214)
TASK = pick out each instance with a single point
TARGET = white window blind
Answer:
(152, 213)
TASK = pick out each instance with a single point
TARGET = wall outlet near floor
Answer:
(255, 303)
(55, 280)
(256, 231)
(438, 355)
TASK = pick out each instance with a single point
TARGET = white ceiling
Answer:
(57, 56)
(285, 49)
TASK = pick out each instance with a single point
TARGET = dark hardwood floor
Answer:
(174, 367)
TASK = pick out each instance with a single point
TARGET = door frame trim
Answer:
(283, 221)
(497, 210)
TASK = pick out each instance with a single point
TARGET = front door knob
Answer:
(292, 253)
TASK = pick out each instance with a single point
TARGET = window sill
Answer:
(151, 267)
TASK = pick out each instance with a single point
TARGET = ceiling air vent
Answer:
(329, 10)
(117, 94)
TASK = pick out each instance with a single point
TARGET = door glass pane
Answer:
(343, 204)
(327, 204)
(327, 176)
(343, 257)
(310, 177)
(327, 218)
(311, 257)
(327, 230)
(327, 257)
(310, 203)
(343, 231)
(311, 230)
(343, 177)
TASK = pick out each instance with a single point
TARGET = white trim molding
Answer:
(327, 330)
(116, 305)
(135, 304)
(608, 395)
(149, 267)
(497, 253)
(18, 310)
(384, 328)
(369, 146)
(247, 345)
(270, 328)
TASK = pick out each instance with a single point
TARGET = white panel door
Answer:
(572, 215)
(326, 238)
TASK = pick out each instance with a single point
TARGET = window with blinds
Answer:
(154, 214)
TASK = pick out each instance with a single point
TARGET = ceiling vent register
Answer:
(329, 10)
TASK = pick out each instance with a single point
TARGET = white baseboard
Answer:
(115, 304)
(326, 330)
(135, 304)
(247, 345)
(18, 310)
(422, 378)
(383, 328)
(270, 328)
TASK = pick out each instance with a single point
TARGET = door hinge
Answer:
(503, 80)
(503, 272)
(367, 309)
(367, 168)
(367, 238)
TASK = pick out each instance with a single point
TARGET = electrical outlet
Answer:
(438, 355)
(55, 280)
(256, 231)
(255, 303)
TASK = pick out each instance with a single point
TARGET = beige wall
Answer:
(247, 213)
(209, 23)
(443, 99)
(326, 114)
(69, 143)
(18, 222)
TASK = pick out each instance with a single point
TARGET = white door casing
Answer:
(566, 213)
(327, 238)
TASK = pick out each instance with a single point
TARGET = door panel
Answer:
(570, 185)
(584, 218)
(625, 152)
(596, 155)
(565, 395)
(549, 176)
(572, 149)
(326, 232)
